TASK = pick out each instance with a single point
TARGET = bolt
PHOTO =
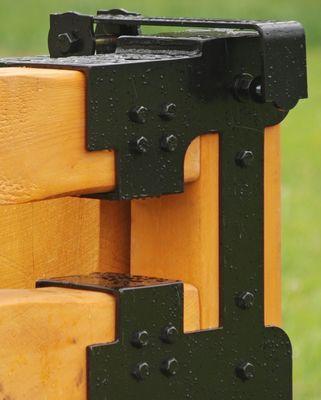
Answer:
(244, 158)
(138, 114)
(168, 111)
(140, 145)
(169, 334)
(245, 300)
(170, 367)
(169, 143)
(141, 371)
(140, 339)
(245, 371)
(242, 87)
(67, 42)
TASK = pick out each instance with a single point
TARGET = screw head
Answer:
(140, 339)
(141, 371)
(138, 114)
(168, 111)
(245, 300)
(67, 42)
(170, 366)
(244, 158)
(169, 143)
(169, 334)
(245, 371)
(140, 145)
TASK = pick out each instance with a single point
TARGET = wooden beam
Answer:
(44, 334)
(49, 238)
(114, 236)
(62, 237)
(272, 227)
(42, 138)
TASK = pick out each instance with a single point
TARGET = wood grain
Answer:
(62, 237)
(42, 138)
(272, 227)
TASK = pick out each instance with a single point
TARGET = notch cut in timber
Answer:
(42, 139)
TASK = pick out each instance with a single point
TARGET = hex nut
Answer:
(67, 42)
(141, 371)
(245, 300)
(138, 114)
(169, 334)
(140, 339)
(170, 366)
(245, 371)
(168, 111)
(244, 158)
(140, 145)
(169, 142)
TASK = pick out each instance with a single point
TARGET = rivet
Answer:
(169, 334)
(141, 371)
(67, 42)
(140, 145)
(244, 158)
(138, 114)
(168, 111)
(169, 143)
(245, 371)
(140, 339)
(170, 367)
(245, 300)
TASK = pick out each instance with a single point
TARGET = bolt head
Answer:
(245, 371)
(245, 300)
(169, 143)
(170, 367)
(66, 42)
(169, 334)
(244, 158)
(140, 339)
(242, 87)
(141, 371)
(138, 114)
(140, 145)
(168, 111)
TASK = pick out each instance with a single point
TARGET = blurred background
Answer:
(23, 29)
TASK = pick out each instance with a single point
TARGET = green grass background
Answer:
(23, 30)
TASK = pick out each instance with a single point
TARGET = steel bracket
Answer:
(153, 358)
(148, 97)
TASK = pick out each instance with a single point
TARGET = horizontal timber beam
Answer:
(42, 139)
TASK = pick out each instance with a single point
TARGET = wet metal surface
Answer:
(234, 84)
(196, 72)
(241, 361)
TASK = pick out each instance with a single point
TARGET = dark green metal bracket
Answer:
(147, 98)
(152, 357)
